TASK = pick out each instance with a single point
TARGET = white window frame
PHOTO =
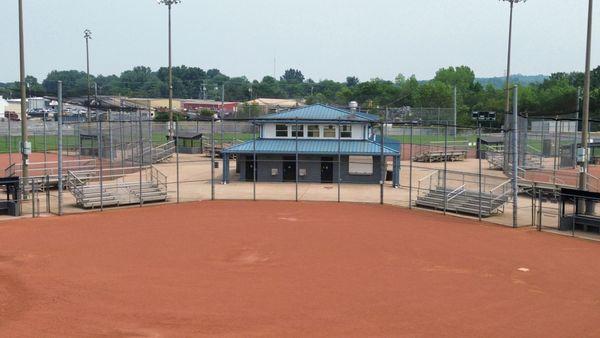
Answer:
(300, 130)
(346, 128)
(360, 165)
(287, 130)
(308, 131)
(325, 129)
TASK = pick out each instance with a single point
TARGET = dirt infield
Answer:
(291, 269)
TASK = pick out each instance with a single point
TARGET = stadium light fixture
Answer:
(586, 102)
(169, 4)
(87, 35)
(507, 88)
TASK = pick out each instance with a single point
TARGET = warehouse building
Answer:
(316, 143)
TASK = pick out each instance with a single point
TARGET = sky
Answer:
(325, 39)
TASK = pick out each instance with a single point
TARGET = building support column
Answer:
(225, 178)
(396, 172)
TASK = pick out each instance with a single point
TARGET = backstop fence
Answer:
(126, 159)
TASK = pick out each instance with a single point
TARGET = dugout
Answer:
(488, 142)
(577, 210)
(189, 142)
(10, 205)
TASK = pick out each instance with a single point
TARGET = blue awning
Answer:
(318, 147)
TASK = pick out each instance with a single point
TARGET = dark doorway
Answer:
(289, 169)
(326, 169)
(250, 169)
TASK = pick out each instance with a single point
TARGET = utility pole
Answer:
(586, 102)
(169, 4)
(87, 35)
(25, 146)
(222, 100)
(455, 110)
(507, 87)
(577, 116)
(516, 159)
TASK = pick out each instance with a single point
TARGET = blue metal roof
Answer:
(321, 112)
(304, 146)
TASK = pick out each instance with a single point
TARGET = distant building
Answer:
(3, 105)
(306, 144)
(158, 104)
(267, 106)
(32, 103)
(194, 105)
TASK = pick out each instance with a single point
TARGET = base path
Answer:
(241, 269)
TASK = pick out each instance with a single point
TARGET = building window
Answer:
(297, 131)
(360, 165)
(346, 131)
(329, 131)
(281, 130)
(313, 131)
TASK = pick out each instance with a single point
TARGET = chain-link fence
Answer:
(127, 159)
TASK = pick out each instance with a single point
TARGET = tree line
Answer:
(554, 95)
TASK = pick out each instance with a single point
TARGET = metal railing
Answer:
(455, 193)
(39, 169)
(423, 181)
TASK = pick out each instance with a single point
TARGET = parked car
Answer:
(11, 115)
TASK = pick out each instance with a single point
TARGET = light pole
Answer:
(169, 4)
(507, 87)
(586, 102)
(87, 35)
(25, 148)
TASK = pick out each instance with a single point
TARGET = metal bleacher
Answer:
(462, 196)
(114, 190)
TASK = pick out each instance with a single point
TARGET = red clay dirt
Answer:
(241, 269)
(33, 157)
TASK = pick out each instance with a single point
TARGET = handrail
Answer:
(428, 176)
(455, 193)
(10, 171)
(501, 185)
(595, 179)
(507, 193)
(529, 146)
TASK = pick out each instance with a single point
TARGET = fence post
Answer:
(515, 145)
(253, 162)
(131, 138)
(150, 133)
(445, 168)
(47, 193)
(383, 166)
(555, 149)
(410, 173)
(122, 138)
(9, 143)
(533, 206)
(212, 157)
(480, 170)
(176, 124)
(339, 166)
(60, 149)
(100, 158)
(110, 139)
(45, 141)
(32, 198)
(141, 160)
(297, 157)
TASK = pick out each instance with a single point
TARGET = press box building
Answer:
(306, 144)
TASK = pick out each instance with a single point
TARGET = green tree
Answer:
(294, 76)
(462, 77)
(74, 82)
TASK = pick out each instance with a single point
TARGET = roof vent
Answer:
(353, 105)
